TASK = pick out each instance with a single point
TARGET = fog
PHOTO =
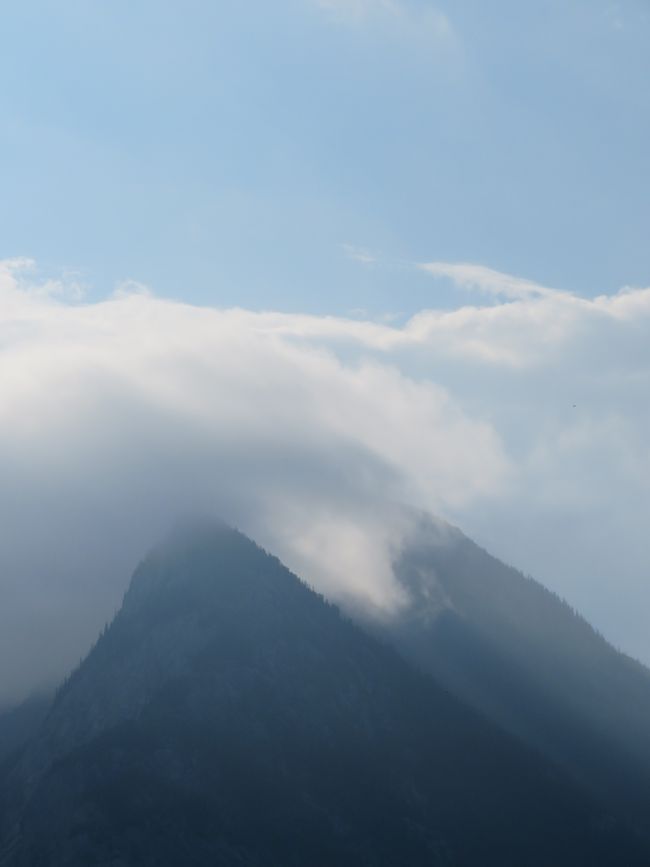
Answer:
(522, 418)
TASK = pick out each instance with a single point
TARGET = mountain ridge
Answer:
(231, 714)
(506, 645)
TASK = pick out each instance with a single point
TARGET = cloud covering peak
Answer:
(312, 434)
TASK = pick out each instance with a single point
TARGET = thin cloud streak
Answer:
(478, 277)
(400, 18)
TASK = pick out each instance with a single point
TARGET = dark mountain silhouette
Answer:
(18, 724)
(230, 716)
(519, 654)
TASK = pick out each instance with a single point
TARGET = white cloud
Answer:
(359, 254)
(117, 416)
(401, 18)
(538, 325)
(13, 280)
(359, 9)
(525, 420)
(487, 280)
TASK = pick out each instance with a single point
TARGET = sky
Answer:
(305, 263)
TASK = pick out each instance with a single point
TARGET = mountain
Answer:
(18, 724)
(517, 653)
(229, 715)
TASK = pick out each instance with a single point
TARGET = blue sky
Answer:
(227, 152)
(433, 220)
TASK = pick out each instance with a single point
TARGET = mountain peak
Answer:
(198, 552)
(230, 715)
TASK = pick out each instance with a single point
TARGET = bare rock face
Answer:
(229, 715)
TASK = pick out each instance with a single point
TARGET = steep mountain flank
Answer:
(517, 653)
(229, 715)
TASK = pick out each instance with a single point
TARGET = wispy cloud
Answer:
(359, 254)
(357, 10)
(471, 276)
(402, 17)
(20, 275)
(615, 16)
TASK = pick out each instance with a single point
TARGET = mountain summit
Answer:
(229, 715)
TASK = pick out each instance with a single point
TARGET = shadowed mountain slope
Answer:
(17, 725)
(230, 716)
(516, 652)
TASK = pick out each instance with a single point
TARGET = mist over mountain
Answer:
(344, 275)
(517, 653)
(311, 433)
(230, 715)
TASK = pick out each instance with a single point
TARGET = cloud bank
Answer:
(522, 419)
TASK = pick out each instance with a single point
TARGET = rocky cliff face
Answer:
(230, 715)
